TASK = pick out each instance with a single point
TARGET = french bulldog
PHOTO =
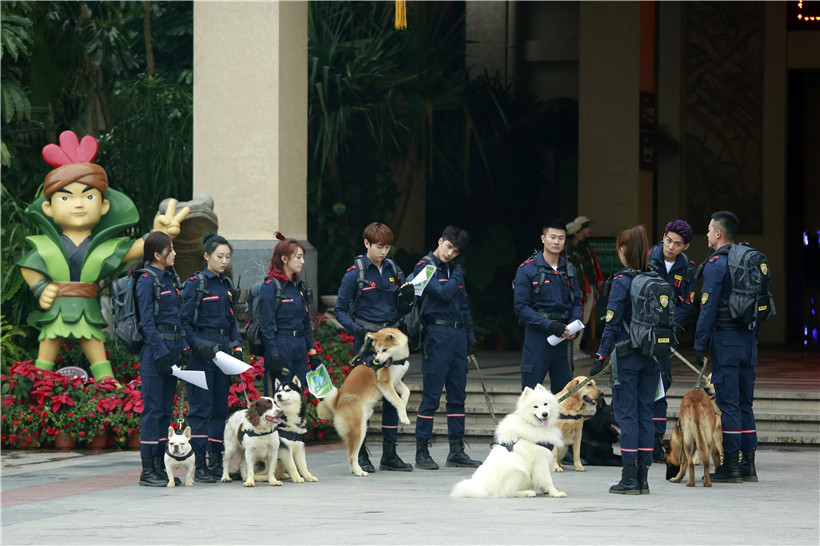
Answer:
(180, 454)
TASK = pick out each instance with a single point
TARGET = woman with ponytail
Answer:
(209, 319)
(285, 324)
(637, 374)
(158, 303)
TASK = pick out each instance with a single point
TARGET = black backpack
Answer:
(750, 302)
(256, 341)
(126, 313)
(411, 323)
(361, 282)
(652, 329)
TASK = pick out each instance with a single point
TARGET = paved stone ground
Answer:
(87, 498)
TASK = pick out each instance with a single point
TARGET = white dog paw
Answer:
(580, 468)
(298, 479)
(557, 494)
(526, 493)
(557, 468)
(311, 478)
(226, 479)
(361, 473)
(171, 484)
(249, 484)
(189, 483)
(275, 482)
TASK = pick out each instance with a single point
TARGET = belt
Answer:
(170, 332)
(730, 327)
(289, 333)
(373, 326)
(76, 289)
(554, 316)
(217, 331)
(456, 325)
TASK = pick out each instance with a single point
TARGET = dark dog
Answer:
(600, 432)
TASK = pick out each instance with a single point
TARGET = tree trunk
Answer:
(146, 30)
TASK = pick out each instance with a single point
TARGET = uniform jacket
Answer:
(379, 302)
(714, 295)
(168, 313)
(217, 310)
(618, 312)
(446, 298)
(556, 296)
(293, 313)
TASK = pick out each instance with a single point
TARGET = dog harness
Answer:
(243, 432)
(177, 457)
(290, 435)
(573, 417)
(511, 445)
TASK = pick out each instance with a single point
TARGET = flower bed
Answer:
(37, 405)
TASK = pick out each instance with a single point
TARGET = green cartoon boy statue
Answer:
(79, 217)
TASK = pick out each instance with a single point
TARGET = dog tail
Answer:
(325, 408)
(469, 489)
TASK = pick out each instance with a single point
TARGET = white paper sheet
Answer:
(660, 393)
(574, 326)
(194, 377)
(230, 365)
(420, 281)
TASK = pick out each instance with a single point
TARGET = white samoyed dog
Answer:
(519, 464)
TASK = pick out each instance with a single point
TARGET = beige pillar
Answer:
(250, 125)
(609, 185)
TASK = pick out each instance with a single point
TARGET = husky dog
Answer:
(290, 397)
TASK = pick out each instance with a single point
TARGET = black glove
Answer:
(470, 348)
(237, 354)
(556, 328)
(360, 331)
(700, 356)
(164, 366)
(314, 361)
(204, 352)
(597, 365)
(273, 363)
(184, 358)
(407, 292)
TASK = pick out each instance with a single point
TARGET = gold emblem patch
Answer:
(765, 269)
(691, 296)
(609, 314)
(704, 298)
(664, 300)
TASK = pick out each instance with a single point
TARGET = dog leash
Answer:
(694, 368)
(472, 359)
(584, 382)
(368, 341)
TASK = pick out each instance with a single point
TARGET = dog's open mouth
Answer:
(387, 362)
(589, 400)
(545, 421)
(274, 419)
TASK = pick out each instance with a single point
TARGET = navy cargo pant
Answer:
(208, 409)
(660, 406)
(158, 401)
(538, 358)
(734, 355)
(632, 404)
(443, 364)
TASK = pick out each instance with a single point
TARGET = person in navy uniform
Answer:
(286, 326)
(546, 303)
(634, 376)
(164, 346)
(733, 348)
(210, 326)
(376, 304)
(670, 261)
(447, 342)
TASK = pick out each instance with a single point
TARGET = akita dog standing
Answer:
(352, 405)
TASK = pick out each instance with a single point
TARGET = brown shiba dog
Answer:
(352, 405)
(571, 421)
(698, 428)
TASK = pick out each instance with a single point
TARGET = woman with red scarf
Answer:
(285, 316)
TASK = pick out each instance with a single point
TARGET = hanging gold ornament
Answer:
(401, 15)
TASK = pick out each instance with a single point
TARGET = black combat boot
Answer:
(215, 464)
(458, 458)
(729, 471)
(364, 460)
(643, 484)
(159, 469)
(747, 466)
(658, 455)
(423, 458)
(629, 481)
(202, 474)
(391, 460)
(149, 476)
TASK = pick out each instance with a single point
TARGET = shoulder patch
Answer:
(609, 314)
(145, 274)
(713, 258)
(192, 277)
(352, 267)
(691, 296)
(704, 298)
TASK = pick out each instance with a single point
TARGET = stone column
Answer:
(250, 126)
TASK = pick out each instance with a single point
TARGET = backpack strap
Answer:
(358, 261)
(201, 292)
(278, 292)
(157, 286)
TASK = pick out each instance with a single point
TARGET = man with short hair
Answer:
(590, 277)
(670, 262)
(447, 341)
(547, 298)
(376, 302)
(733, 349)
